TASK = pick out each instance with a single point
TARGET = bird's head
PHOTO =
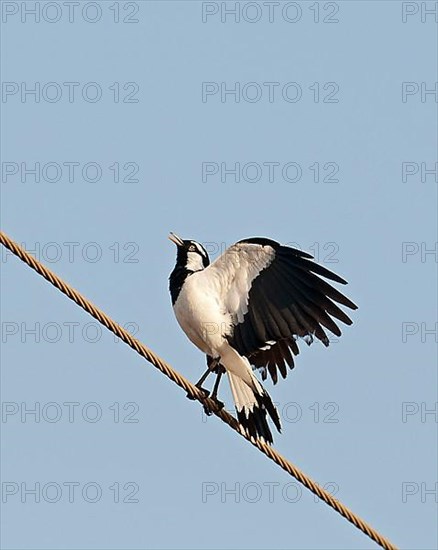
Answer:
(190, 254)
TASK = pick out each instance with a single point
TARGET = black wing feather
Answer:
(287, 300)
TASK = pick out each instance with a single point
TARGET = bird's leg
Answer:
(220, 372)
(212, 363)
(202, 380)
(219, 375)
(199, 384)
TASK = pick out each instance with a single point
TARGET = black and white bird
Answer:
(248, 308)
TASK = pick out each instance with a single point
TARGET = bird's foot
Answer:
(206, 393)
(219, 405)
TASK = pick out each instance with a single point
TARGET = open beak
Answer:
(175, 239)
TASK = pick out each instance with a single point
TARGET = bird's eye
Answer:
(192, 248)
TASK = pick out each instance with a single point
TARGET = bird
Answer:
(247, 310)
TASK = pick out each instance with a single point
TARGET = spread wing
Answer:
(276, 294)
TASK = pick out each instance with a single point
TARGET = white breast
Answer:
(200, 313)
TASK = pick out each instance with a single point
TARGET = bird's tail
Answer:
(252, 401)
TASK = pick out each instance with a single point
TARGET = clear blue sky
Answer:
(329, 157)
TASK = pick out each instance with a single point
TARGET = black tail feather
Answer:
(255, 421)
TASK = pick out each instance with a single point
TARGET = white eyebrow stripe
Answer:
(201, 250)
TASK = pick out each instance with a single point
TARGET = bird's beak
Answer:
(175, 239)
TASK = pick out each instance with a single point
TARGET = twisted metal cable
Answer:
(193, 391)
